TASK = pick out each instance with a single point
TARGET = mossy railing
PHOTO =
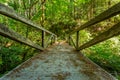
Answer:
(6, 32)
(113, 31)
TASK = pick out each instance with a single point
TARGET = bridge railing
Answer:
(113, 31)
(6, 32)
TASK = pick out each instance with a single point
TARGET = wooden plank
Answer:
(59, 62)
(6, 32)
(5, 10)
(114, 10)
(114, 31)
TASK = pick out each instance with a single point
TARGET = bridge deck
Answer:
(58, 62)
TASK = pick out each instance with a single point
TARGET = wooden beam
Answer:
(5, 10)
(48, 41)
(71, 39)
(114, 10)
(114, 31)
(77, 39)
(6, 32)
(43, 39)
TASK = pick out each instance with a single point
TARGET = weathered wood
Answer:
(77, 39)
(43, 39)
(48, 41)
(114, 10)
(6, 32)
(59, 62)
(68, 39)
(73, 42)
(114, 31)
(5, 10)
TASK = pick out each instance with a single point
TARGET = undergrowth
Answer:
(12, 56)
(106, 55)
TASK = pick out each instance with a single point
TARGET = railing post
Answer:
(43, 37)
(69, 40)
(72, 42)
(77, 39)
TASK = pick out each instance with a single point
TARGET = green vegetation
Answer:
(10, 58)
(106, 55)
(60, 17)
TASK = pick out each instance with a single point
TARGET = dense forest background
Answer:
(60, 17)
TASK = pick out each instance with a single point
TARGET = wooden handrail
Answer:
(5, 10)
(114, 31)
(6, 32)
(114, 10)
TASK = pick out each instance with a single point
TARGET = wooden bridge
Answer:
(59, 61)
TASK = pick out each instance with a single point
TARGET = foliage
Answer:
(86, 36)
(60, 17)
(10, 58)
(106, 54)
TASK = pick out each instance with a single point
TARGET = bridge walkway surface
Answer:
(58, 62)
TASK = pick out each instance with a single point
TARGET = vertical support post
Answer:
(42, 20)
(77, 39)
(43, 39)
(69, 40)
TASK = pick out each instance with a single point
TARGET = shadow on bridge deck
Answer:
(58, 62)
